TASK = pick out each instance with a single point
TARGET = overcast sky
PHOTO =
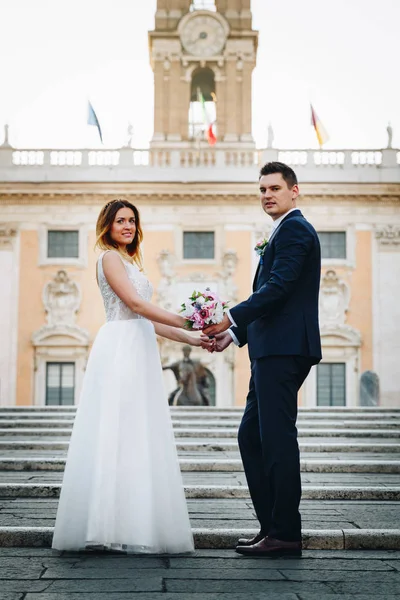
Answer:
(342, 54)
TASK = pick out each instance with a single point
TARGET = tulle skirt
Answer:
(122, 486)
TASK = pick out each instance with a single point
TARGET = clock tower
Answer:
(203, 54)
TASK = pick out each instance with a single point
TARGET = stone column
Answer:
(9, 275)
(245, 14)
(174, 100)
(159, 98)
(386, 311)
(184, 105)
(239, 97)
(231, 100)
(220, 88)
(246, 135)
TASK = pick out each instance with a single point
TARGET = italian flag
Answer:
(322, 135)
(211, 137)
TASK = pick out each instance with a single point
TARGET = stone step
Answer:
(220, 465)
(301, 424)
(216, 417)
(211, 409)
(227, 479)
(225, 446)
(221, 424)
(310, 492)
(231, 455)
(328, 539)
(215, 433)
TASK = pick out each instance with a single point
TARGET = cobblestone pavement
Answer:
(42, 574)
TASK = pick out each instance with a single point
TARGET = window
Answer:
(60, 384)
(202, 109)
(62, 244)
(331, 384)
(198, 244)
(333, 244)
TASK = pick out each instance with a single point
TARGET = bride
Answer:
(122, 486)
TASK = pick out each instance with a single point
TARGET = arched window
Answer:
(202, 111)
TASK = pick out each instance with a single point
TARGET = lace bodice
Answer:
(115, 309)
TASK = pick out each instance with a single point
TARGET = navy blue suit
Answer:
(279, 322)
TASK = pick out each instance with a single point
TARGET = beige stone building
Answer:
(201, 219)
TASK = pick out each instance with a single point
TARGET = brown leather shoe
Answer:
(271, 547)
(250, 542)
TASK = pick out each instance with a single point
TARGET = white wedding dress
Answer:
(122, 486)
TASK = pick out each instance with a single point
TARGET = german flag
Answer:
(320, 130)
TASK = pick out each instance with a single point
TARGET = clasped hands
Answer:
(215, 338)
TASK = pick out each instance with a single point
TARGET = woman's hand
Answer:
(194, 341)
(183, 323)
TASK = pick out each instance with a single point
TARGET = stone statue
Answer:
(271, 136)
(389, 130)
(130, 132)
(193, 382)
(6, 141)
(369, 389)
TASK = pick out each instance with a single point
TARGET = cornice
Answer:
(177, 187)
(190, 193)
(209, 198)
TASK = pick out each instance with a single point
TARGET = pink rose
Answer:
(204, 313)
(198, 321)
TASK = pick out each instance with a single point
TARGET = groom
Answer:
(279, 323)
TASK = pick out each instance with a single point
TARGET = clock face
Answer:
(203, 35)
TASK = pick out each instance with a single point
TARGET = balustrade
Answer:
(241, 164)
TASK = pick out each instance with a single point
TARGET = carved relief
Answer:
(60, 338)
(61, 298)
(388, 235)
(339, 336)
(334, 299)
(165, 262)
(196, 276)
(229, 287)
(334, 302)
(7, 234)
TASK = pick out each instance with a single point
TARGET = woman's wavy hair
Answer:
(103, 230)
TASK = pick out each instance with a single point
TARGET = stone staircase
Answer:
(350, 460)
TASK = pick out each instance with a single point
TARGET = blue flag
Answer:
(93, 120)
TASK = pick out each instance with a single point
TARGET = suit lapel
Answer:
(273, 234)
(256, 276)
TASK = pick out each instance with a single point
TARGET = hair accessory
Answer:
(109, 203)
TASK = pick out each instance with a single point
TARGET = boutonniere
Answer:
(260, 248)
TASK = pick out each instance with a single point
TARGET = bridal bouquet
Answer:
(203, 308)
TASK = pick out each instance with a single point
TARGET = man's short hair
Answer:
(277, 167)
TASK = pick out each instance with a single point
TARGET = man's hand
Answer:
(222, 341)
(217, 344)
(218, 328)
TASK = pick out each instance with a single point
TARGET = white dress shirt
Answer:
(275, 225)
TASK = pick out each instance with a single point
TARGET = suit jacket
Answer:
(281, 316)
